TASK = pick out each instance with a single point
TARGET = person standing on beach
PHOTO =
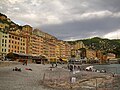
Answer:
(25, 62)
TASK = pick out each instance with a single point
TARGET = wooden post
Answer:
(96, 84)
(43, 77)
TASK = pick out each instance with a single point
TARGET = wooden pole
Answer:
(96, 84)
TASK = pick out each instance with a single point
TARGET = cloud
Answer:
(66, 19)
(83, 29)
(113, 35)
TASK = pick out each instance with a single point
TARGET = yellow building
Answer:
(79, 44)
(73, 51)
(91, 54)
(3, 17)
(3, 44)
(39, 33)
(3, 26)
(75, 48)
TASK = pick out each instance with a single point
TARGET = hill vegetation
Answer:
(105, 45)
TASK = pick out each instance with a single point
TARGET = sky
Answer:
(67, 19)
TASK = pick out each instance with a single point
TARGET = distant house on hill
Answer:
(111, 56)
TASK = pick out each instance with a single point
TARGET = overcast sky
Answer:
(67, 19)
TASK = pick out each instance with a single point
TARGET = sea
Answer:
(110, 68)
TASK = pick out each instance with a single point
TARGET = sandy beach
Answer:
(24, 80)
(28, 79)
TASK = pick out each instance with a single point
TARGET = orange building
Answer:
(67, 50)
(27, 32)
(91, 54)
(50, 47)
(111, 56)
(17, 43)
(63, 50)
(37, 45)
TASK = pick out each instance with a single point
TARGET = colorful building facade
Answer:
(3, 44)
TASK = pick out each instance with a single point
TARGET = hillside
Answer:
(7, 24)
(105, 45)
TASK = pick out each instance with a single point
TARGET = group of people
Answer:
(17, 69)
(74, 67)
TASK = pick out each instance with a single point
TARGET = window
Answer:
(16, 38)
(10, 36)
(2, 50)
(2, 40)
(5, 36)
(15, 47)
(5, 45)
(23, 48)
(9, 41)
(5, 50)
(12, 41)
(2, 44)
(13, 37)
(5, 41)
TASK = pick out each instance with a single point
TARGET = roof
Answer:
(21, 54)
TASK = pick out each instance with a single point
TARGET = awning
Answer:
(65, 60)
(39, 57)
